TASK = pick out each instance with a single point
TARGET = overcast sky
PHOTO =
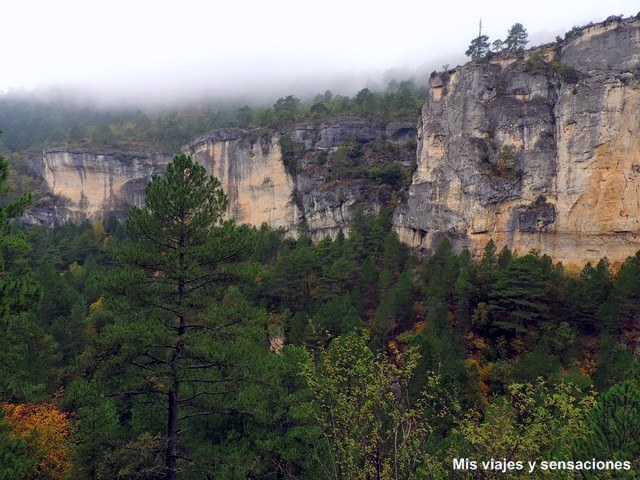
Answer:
(155, 48)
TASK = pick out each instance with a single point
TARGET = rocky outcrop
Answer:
(87, 185)
(252, 174)
(283, 189)
(262, 183)
(537, 151)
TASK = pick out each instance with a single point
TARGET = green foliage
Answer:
(613, 427)
(18, 289)
(574, 32)
(518, 297)
(536, 422)
(565, 72)
(360, 401)
(286, 109)
(482, 323)
(97, 430)
(174, 345)
(517, 38)
(291, 152)
(538, 64)
(614, 359)
(27, 353)
(32, 124)
(478, 48)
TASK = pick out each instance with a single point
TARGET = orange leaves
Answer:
(46, 430)
(588, 364)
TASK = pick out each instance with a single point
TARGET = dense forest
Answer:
(182, 346)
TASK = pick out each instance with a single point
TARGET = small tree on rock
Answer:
(478, 48)
(517, 38)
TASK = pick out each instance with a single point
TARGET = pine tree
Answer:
(595, 287)
(518, 298)
(27, 352)
(479, 46)
(614, 425)
(175, 346)
(517, 38)
(18, 290)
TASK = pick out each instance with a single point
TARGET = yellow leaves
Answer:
(418, 326)
(99, 231)
(76, 270)
(97, 305)
(46, 430)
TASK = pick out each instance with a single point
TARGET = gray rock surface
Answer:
(537, 151)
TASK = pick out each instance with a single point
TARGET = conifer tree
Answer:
(518, 297)
(27, 352)
(614, 425)
(517, 38)
(479, 46)
(18, 290)
(175, 347)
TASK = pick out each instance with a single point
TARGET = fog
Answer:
(149, 52)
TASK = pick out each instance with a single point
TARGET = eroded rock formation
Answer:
(537, 151)
(87, 185)
(533, 150)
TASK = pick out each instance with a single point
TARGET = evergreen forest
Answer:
(180, 345)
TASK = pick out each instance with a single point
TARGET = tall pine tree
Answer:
(173, 344)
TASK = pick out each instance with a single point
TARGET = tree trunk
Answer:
(174, 403)
(172, 436)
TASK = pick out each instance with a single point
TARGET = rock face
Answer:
(326, 192)
(252, 174)
(533, 150)
(262, 184)
(537, 151)
(85, 185)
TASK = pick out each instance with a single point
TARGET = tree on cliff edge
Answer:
(173, 345)
(479, 46)
(517, 38)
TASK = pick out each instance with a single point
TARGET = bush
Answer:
(574, 32)
(290, 152)
(565, 72)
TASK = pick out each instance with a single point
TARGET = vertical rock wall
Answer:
(537, 151)
(252, 174)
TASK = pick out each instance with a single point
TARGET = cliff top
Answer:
(106, 152)
(577, 48)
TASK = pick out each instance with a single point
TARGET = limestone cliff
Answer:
(533, 150)
(265, 184)
(85, 185)
(313, 181)
(252, 174)
(540, 150)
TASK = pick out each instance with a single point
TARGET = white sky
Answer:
(158, 48)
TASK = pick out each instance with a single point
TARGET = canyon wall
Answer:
(252, 175)
(539, 150)
(88, 185)
(262, 183)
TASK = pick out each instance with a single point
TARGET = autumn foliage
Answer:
(46, 430)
